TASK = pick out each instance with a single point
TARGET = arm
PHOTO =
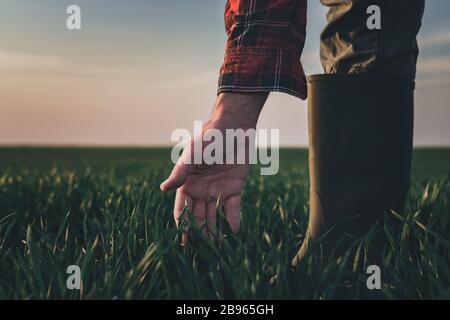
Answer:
(265, 41)
(204, 187)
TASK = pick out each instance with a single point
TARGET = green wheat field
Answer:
(101, 209)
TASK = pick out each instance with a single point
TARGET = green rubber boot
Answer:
(360, 148)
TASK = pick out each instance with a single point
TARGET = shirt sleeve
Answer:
(265, 40)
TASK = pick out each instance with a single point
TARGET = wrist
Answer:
(242, 107)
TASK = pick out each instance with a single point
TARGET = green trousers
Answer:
(348, 46)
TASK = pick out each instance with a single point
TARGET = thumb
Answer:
(177, 177)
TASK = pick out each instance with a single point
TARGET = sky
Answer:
(138, 69)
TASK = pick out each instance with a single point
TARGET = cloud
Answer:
(433, 71)
(434, 65)
(434, 39)
(45, 64)
(10, 61)
(35, 66)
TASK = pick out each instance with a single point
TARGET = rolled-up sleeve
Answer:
(264, 45)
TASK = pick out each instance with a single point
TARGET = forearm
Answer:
(241, 107)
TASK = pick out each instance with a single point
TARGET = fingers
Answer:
(205, 213)
(181, 201)
(199, 212)
(232, 208)
(196, 207)
(177, 177)
(211, 208)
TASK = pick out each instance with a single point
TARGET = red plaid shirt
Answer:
(265, 42)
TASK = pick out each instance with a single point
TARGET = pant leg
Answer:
(349, 47)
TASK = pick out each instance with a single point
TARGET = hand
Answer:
(204, 187)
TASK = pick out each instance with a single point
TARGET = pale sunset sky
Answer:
(139, 69)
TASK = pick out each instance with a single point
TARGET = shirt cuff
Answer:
(261, 70)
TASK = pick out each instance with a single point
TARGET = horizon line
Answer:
(159, 146)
